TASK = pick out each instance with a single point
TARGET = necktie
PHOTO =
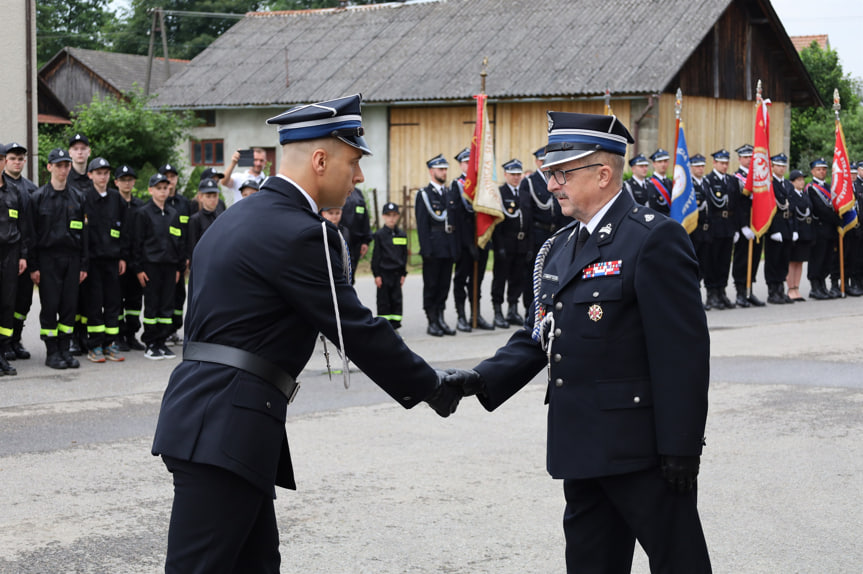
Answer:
(583, 236)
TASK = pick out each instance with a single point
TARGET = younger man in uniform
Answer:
(700, 236)
(826, 243)
(58, 258)
(131, 293)
(637, 185)
(721, 192)
(781, 235)
(248, 187)
(745, 233)
(183, 207)
(659, 192)
(158, 260)
(208, 192)
(510, 249)
(389, 265)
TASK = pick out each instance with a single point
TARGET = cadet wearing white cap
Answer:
(618, 324)
(254, 315)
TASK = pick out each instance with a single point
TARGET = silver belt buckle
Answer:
(447, 228)
(520, 235)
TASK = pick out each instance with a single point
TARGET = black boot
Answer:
(433, 329)
(742, 300)
(774, 297)
(481, 323)
(726, 302)
(53, 359)
(15, 343)
(499, 320)
(6, 351)
(817, 291)
(5, 367)
(755, 301)
(512, 317)
(855, 289)
(447, 330)
(835, 292)
(462, 324)
(713, 299)
(64, 344)
(133, 343)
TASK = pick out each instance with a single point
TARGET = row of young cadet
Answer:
(804, 228)
(96, 253)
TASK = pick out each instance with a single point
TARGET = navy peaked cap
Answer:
(638, 160)
(659, 155)
(721, 155)
(168, 168)
(156, 179)
(58, 155)
(390, 208)
(78, 138)
(795, 173)
(207, 185)
(540, 153)
(123, 171)
(572, 136)
(340, 118)
(98, 163)
(210, 173)
(463, 155)
(14, 146)
(745, 150)
(779, 159)
(437, 161)
(820, 162)
(513, 166)
(250, 183)
(697, 159)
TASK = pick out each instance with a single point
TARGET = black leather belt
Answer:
(550, 227)
(243, 360)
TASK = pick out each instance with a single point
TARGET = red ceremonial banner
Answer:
(759, 179)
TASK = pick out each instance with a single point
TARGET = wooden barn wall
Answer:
(712, 124)
(74, 84)
(419, 133)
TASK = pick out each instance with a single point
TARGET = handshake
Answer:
(452, 385)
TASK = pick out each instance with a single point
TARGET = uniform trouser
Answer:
(820, 257)
(463, 278)
(179, 302)
(702, 252)
(436, 278)
(717, 263)
(741, 254)
(540, 236)
(103, 302)
(389, 297)
(131, 299)
(605, 516)
(58, 293)
(777, 255)
(220, 523)
(23, 302)
(508, 273)
(854, 254)
(159, 302)
(9, 256)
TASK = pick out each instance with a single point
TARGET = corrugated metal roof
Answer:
(123, 71)
(408, 51)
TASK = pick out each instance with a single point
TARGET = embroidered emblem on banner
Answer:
(602, 269)
(595, 312)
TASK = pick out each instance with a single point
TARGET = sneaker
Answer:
(112, 353)
(153, 353)
(166, 352)
(174, 339)
(95, 355)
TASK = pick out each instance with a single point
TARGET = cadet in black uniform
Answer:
(158, 261)
(854, 242)
(106, 223)
(208, 192)
(435, 211)
(183, 207)
(542, 213)
(510, 240)
(781, 235)
(743, 212)
(16, 157)
(131, 292)
(801, 210)
(79, 180)
(389, 266)
(468, 253)
(621, 330)
(254, 315)
(659, 191)
(700, 236)
(355, 218)
(58, 258)
(14, 240)
(195, 202)
(721, 192)
(637, 185)
(826, 243)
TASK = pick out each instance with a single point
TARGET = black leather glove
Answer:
(467, 381)
(680, 471)
(444, 399)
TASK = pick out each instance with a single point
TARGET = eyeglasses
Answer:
(560, 174)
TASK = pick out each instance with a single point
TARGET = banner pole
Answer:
(475, 294)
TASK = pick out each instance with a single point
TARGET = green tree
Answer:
(75, 23)
(812, 129)
(125, 131)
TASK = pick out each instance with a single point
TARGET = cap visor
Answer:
(563, 156)
(358, 142)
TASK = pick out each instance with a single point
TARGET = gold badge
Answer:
(595, 312)
(511, 210)
(437, 211)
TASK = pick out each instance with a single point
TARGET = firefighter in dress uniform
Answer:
(721, 193)
(510, 248)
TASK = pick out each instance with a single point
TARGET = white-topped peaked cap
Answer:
(340, 118)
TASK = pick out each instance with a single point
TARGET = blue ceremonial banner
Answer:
(684, 207)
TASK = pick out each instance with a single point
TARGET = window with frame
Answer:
(208, 152)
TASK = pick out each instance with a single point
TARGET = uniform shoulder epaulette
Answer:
(646, 216)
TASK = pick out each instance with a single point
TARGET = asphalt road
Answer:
(385, 490)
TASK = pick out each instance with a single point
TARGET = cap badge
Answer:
(648, 217)
(595, 312)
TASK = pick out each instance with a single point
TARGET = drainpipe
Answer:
(651, 100)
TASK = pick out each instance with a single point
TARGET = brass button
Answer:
(557, 357)
(557, 332)
(269, 405)
(558, 382)
(596, 293)
(558, 306)
(543, 295)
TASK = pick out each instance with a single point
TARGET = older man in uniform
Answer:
(826, 244)
(436, 225)
(659, 192)
(619, 325)
(721, 193)
(637, 185)
(510, 247)
(221, 428)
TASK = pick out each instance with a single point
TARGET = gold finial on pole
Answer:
(836, 105)
(484, 73)
(678, 103)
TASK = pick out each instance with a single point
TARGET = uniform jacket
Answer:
(721, 193)
(106, 224)
(355, 217)
(783, 220)
(391, 252)
(198, 224)
(183, 207)
(629, 366)
(269, 295)
(701, 233)
(81, 182)
(59, 225)
(801, 208)
(534, 196)
(638, 191)
(158, 237)
(655, 198)
(436, 239)
(826, 219)
(14, 215)
(743, 207)
(465, 221)
(510, 236)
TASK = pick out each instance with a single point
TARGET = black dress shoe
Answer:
(7, 353)
(462, 325)
(776, 298)
(742, 301)
(835, 292)
(513, 318)
(726, 302)
(755, 300)
(6, 369)
(483, 324)
(20, 351)
(434, 329)
(787, 298)
(122, 345)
